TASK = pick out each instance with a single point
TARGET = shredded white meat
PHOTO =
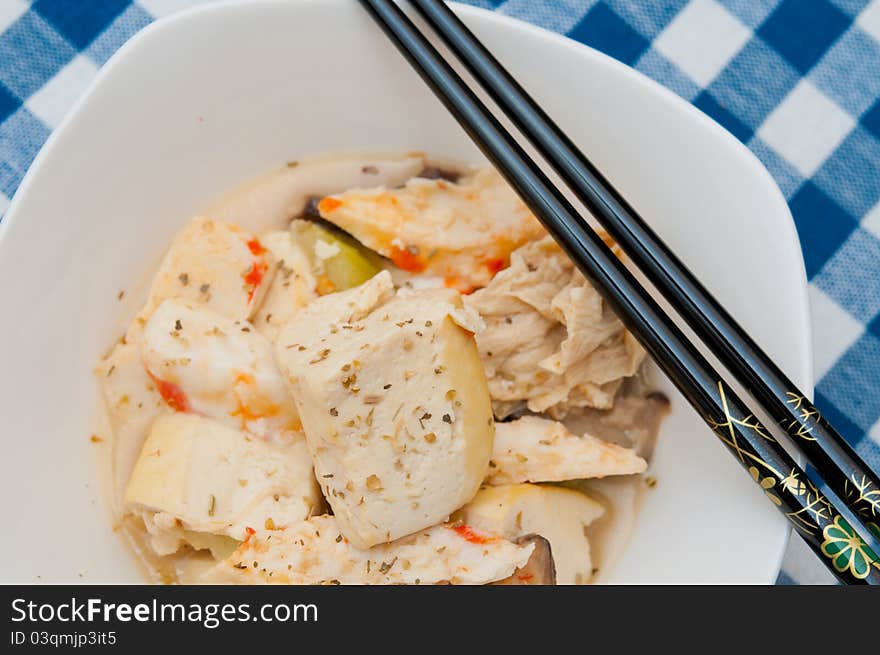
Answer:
(551, 343)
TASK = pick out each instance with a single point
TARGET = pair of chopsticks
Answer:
(841, 543)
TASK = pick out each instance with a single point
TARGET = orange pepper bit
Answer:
(460, 285)
(256, 247)
(172, 394)
(467, 533)
(328, 204)
(495, 264)
(324, 285)
(253, 278)
(408, 259)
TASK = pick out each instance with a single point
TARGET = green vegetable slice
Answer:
(350, 266)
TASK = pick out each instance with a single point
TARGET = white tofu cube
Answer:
(394, 404)
(195, 475)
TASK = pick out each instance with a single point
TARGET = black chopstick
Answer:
(782, 480)
(844, 471)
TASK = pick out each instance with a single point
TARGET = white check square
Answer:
(834, 331)
(702, 39)
(10, 10)
(869, 19)
(874, 432)
(51, 102)
(871, 221)
(806, 127)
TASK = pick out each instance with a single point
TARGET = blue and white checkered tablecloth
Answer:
(798, 81)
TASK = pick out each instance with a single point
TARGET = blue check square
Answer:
(660, 69)
(850, 7)
(557, 15)
(852, 382)
(485, 4)
(874, 326)
(649, 18)
(869, 451)
(21, 137)
(80, 22)
(123, 27)
(707, 103)
(850, 431)
(822, 226)
(851, 176)
(604, 30)
(850, 278)
(31, 52)
(751, 12)
(8, 103)
(850, 71)
(753, 83)
(9, 179)
(802, 30)
(785, 175)
(871, 119)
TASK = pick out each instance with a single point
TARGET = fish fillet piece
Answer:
(315, 551)
(463, 232)
(534, 449)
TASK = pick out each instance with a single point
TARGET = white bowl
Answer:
(197, 103)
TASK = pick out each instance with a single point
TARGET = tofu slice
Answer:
(316, 551)
(292, 288)
(463, 232)
(207, 364)
(217, 265)
(132, 403)
(394, 404)
(557, 514)
(195, 475)
(534, 449)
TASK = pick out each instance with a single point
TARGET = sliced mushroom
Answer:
(557, 514)
(539, 570)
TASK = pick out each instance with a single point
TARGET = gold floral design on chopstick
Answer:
(816, 508)
(847, 551)
(801, 429)
(766, 483)
(863, 495)
(726, 431)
